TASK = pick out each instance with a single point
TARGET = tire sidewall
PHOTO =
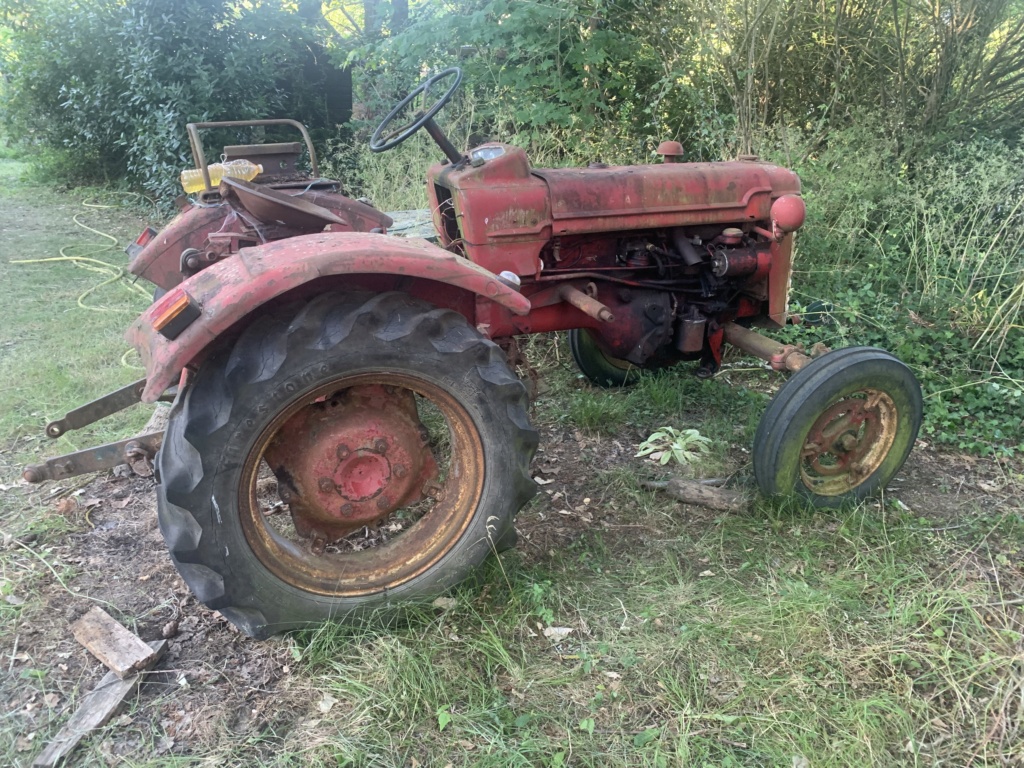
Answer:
(595, 364)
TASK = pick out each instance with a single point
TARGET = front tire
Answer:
(840, 429)
(600, 368)
(354, 407)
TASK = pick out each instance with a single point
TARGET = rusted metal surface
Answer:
(159, 261)
(351, 460)
(269, 205)
(848, 442)
(280, 160)
(670, 151)
(95, 459)
(584, 303)
(453, 499)
(642, 197)
(229, 290)
(781, 357)
(97, 409)
(779, 276)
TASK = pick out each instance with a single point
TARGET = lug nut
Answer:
(326, 484)
(380, 445)
(399, 470)
(383, 503)
(343, 451)
(347, 509)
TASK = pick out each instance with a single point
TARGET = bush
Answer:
(926, 261)
(594, 82)
(112, 84)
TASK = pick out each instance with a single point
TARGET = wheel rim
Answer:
(848, 442)
(373, 476)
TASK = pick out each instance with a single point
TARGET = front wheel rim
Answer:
(848, 442)
(388, 565)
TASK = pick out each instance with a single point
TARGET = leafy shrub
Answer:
(924, 259)
(585, 81)
(111, 84)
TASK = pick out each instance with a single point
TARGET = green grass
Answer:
(55, 353)
(54, 356)
(815, 636)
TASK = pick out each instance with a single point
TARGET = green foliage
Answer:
(670, 444)
(110, 84)
(925, 260)
(941, 70)
(594, 81)
(967, 405)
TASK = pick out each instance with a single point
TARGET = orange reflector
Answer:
(147, 234)
(178, 316)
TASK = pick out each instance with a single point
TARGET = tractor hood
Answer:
(646, 196)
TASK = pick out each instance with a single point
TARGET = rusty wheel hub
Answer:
(848, 442)
(351, 459)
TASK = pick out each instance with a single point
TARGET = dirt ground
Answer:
(215, 684)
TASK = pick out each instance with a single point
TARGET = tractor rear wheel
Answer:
(840, 429)
(342, 456)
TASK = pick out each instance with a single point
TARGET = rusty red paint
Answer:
(779, 275)
(507, 211)
(781, 357)
(231, 289)
(788, 213)
(842, 436)
(351, 459)
(159, 261)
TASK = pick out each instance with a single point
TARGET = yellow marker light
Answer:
(178, 316)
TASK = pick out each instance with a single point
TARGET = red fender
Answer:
(228, 291)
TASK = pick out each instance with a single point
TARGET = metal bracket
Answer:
(97, 409)
(95, 459)
(102, 407)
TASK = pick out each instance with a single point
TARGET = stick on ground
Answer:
(695, 492)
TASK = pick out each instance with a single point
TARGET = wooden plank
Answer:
(96, 709)
(122, 651)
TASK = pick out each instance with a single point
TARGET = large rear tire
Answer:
(260, 413)
(840, 429)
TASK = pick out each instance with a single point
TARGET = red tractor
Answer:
(346, 429)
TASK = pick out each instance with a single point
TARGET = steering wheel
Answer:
(381, 143)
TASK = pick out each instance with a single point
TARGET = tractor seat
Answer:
(269, 205)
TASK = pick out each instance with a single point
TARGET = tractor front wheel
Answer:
(599, 367)
(840, 429)
(340, 457)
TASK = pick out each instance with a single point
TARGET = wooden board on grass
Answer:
(121, 650)
(96, 709)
